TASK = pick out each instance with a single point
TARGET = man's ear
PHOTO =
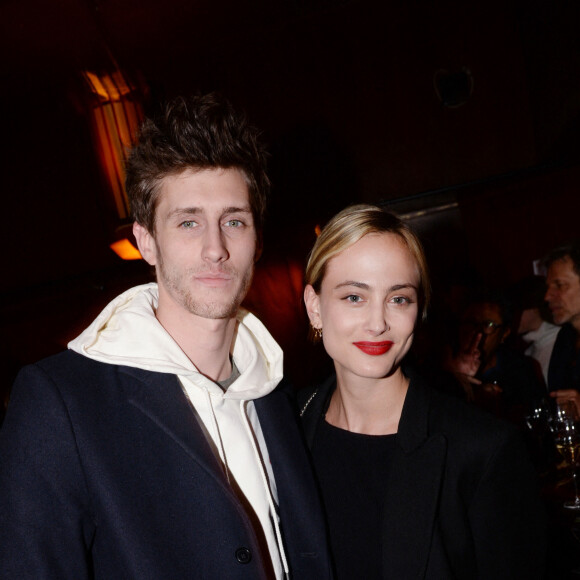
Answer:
(145, 243)
(506, 333)
(312, 302)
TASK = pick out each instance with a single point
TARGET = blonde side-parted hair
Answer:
(348, 227)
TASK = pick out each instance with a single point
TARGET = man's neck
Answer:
(206, 342)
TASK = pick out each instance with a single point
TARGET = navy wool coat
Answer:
(105, 473)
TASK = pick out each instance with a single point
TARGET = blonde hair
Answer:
(348, 227)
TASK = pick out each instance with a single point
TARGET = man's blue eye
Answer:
(188, 224)
(353, 298)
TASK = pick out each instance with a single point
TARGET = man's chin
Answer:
(559, 318)
(214, 310)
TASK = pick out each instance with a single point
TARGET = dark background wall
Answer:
(350, 95)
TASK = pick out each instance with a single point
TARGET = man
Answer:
(563, 297)
(155, 447)
(537, 333)
(492, 374)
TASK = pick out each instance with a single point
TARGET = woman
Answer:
(415, 484)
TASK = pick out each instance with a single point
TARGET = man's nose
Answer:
(214, 248)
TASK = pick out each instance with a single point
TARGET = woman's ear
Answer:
(145, 243)
(312, 302)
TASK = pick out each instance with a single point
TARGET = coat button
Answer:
(243, 555)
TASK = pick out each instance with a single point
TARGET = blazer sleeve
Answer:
(45, 524)
(506, 516)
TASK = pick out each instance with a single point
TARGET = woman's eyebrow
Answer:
(352, 283)
(365, 286)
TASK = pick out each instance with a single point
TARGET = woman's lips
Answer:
(374, 348)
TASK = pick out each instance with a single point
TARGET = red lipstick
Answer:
(374, 348)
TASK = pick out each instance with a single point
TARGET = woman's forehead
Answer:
(384, 254)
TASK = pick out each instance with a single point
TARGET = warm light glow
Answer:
(109, 87)
(126, 250)
(116, 114)
(317, 230)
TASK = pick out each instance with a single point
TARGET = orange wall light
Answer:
(116, 113)
(126, 250)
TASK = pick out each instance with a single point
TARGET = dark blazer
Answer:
(461, 500)
(105, 473)
(564, 368)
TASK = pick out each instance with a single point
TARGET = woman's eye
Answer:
(353, 298)
(234, 223)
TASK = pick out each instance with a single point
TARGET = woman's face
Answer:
(367, 306)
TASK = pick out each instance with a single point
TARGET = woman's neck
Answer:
(370, 407)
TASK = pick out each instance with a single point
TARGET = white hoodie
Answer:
(128, 333)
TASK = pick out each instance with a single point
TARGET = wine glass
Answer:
(566, 433)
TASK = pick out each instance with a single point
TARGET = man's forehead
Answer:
(562, 268)
(205, 190)
(485, 311)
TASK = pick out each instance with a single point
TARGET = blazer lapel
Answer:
(412, 498)
(160, 397)
(283, 439)
(313, 408)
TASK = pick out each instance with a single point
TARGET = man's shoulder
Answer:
(566, 334)
(72, 371)
(284, 393)
(69, 363)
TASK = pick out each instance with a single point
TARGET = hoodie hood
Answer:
(127, 333)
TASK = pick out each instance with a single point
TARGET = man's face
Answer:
(204, 244)
(563, 294)
(485, 319)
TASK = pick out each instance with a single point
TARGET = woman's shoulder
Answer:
(453, 416)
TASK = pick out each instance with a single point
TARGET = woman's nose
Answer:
(377, 322)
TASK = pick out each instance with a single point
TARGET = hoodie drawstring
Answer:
(266, 483)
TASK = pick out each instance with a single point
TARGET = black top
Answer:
(352, 470)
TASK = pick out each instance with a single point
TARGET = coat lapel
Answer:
(160, 397)
(412, 499)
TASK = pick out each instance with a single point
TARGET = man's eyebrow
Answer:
(233, 209)
(403, 287)
(185, 211)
